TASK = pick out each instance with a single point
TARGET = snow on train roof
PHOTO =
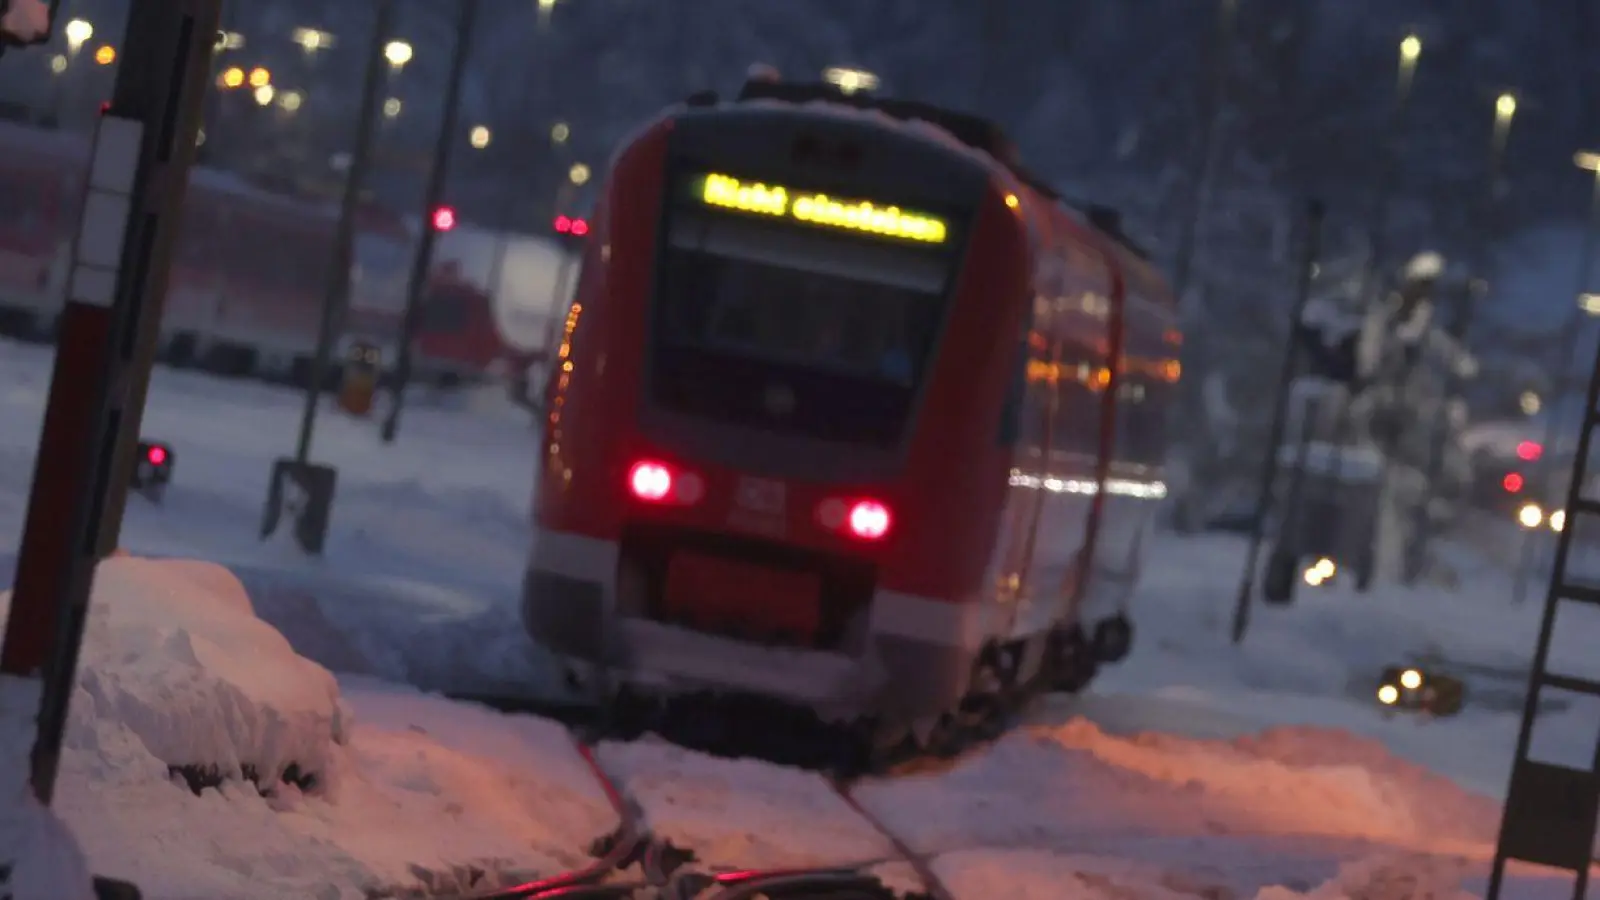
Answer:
(937, 124)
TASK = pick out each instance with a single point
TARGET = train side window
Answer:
(1083, 384)
(1011, 412)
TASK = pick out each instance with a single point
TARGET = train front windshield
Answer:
(797, 327)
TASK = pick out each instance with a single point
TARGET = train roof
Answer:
(974, 132)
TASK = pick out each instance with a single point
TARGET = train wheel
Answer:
(1071, 660)
(1113, 638)
(1277, 585)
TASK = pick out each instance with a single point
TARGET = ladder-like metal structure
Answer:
(1551, 810)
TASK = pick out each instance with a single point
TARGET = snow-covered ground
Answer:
(1194, 769)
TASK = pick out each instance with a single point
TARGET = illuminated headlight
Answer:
(1530, 516)
(1414, 690)
(1558, 520)
(1321, 572)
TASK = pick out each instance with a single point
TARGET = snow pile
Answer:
(177, 667)
(742, 813)
(1284, 809)
(39, 857)
(1299, 781)
(178, 672)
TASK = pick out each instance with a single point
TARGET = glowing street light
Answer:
(479, 137)
(260, 77)
(392, 107)
(264, 95)
(1505, 106)
(231, 77)
(578, 174)
(58, 64)
(398, 53)
(1587, 159)
(1530, 403)
(291, 101)
(311, 39)
(559, 133)
(1410, 50)
(106, 55)
(850, 81)
(77, 32)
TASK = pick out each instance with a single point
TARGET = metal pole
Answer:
(1544, 469)
(132, 206)
(422, 261)
(336, 292)
(1206, 159)
(1202, 450)
(1315, 214)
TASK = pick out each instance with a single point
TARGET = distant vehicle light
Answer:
(1530, 516)
(1529, 451)
(1512, 482)
(444, 218)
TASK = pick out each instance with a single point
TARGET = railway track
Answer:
(632, 862)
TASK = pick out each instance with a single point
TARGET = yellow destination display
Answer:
(863, 216)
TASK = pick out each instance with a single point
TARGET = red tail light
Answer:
(869, 520)
(864, 520)
(657, 482)
(650, 481)
(1529, 451)
(1512, 482)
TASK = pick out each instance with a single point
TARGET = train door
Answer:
(1132, 481)
(1082, 311)
(1022, 430)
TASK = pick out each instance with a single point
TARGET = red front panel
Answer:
(943, 498)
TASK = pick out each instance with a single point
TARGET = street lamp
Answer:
(479, 137)
(311, 40)
(398, 53)
(291, 101)
(106, 55)
(849, 80)
(78, 32)
(392, 107)
(578, 174)
(1410, 51)
(559, 133)
(232, 77)
(58, 64)
(260, 78)
(264, 94)
(546, 7)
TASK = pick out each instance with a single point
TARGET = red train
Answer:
(250, 272)
(850, 412)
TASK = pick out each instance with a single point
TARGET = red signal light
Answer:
(444, 219)
(868, 520)
(156, 455)
(1529, 451)
(1512, 482)
(563, 225)
(579, 227)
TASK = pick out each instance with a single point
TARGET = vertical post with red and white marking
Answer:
(143, 147)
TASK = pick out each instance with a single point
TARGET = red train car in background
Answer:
(250, 273)
(850, 413)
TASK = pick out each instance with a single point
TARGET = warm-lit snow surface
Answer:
(1172, 793)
